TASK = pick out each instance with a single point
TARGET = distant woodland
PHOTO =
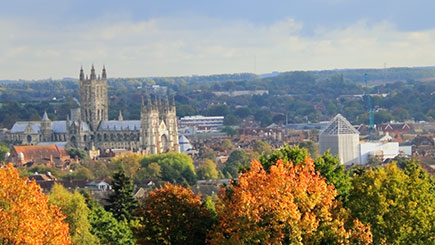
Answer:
(396, 94)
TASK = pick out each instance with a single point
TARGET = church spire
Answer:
(167, 108)
(45, 116)
(93, 75)
(149, 103)
(82, 74)
(120, 117)
(104, 75)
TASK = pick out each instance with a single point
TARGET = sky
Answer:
(53, 39)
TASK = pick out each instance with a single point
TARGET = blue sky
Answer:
(44, 39)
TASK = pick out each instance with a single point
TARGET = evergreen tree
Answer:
(107, 228)
(122, 201)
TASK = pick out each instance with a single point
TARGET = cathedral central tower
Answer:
(94, 103)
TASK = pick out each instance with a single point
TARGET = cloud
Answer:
(200, 45)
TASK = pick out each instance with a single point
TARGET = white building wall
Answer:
(348, 145)
(389, 150)
(345, 146)
(407, 150)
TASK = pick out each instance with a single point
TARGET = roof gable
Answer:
(339, 125)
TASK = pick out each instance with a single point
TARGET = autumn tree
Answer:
(173, 215)
(328, 165)
(26, 217)
(399, 204)
(121, 200)
(73, 205)
(289, 204)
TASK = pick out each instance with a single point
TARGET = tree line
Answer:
(283, 196)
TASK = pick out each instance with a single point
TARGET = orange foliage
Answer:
(173, 215)
(25, 215)
(290, 204)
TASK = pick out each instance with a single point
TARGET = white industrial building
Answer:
(342, 139)
(201, 123)
(380, 150)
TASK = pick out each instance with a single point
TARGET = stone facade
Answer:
(88, 126)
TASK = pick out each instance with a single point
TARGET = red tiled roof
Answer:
(36, 152)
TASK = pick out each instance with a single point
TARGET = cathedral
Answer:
(88, 127)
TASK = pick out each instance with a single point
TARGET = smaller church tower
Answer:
(149, 124)
(46, 128)
(170, 119)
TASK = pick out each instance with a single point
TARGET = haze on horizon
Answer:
(42, 39)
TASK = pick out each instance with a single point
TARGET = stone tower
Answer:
(170, 119)
(159, 126)
(46, 127)
(94, 103)
(149, 123)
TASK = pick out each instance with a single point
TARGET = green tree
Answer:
(81, 154)
(262, 147)
(175, 167)
(236, 161)
(173, 215)
(207, 153)
(121, 200)
(264, 117)
(73, 205)
(243, 112)
(80, 173)
(218, 110)
(3, 150)
(130, 163)
(227, 145)
(107, 228)
(287, 154)
(312, 148)
(399, 204)
(229, 131)
(330, 167)
(230, 119)
(207, 170)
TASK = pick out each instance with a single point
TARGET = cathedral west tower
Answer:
(94, 102)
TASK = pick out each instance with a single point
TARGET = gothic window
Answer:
(164, 141)
(125, 137)
(85, 138)
(119, 137)
(29, 138)
(98, 137)
(105, 137)
(112, 137)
